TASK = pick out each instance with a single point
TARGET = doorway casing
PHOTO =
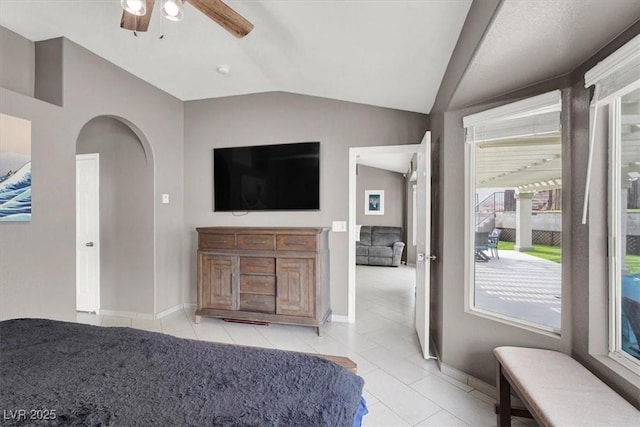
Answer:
(354, 152)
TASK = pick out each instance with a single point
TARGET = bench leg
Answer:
(503, 408)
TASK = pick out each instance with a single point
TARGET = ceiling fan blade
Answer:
(133, 22)
(226, 17)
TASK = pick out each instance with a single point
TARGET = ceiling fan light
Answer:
(135, 7)
(173, 10)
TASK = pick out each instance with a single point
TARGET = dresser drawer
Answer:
(295, 243)
(258, 303)
(265, 285)
(216, 241)
(256, 265)
(255, 241)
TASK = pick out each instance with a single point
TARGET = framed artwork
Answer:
(15, 169)
(374, 202)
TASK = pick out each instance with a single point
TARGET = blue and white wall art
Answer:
(15, 169)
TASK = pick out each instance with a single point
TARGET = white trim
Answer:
(351, 251)
(620, 83)
(414, 216)
(340, 319)
(482, 387)
(171, 310)
(537, 124)
(616, 240)
(469, 256)
(96, 240)
(88, 156)
(468, 380)
(545, 103)
(594, 119)
(453, 373)
(626, 361)
(613, 62)
(354, 152)
(515, 322)
(614, 225)
(469, 226)
(131, 314)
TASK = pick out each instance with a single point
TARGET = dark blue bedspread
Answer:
(62, 373)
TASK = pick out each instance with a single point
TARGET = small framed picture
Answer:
(374, 202)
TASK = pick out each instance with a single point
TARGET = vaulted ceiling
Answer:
(385, 53)
(530, 41)
(388, 53)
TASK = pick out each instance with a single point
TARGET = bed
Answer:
(60, 373)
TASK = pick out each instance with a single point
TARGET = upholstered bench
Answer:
(557, 391)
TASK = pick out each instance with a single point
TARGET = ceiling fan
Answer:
(137, 14)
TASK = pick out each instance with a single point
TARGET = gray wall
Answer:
(271, 118)
(369, 178)
(49, 71)
(37, 262)
(126, 205)
(17, 63)
(465, 341)
(37, 278)
(590, 292)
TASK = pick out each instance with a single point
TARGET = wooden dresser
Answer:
(278, 275)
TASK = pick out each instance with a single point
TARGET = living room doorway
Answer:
(363, 162)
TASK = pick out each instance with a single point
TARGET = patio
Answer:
(521, 286)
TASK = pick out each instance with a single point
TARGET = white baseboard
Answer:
(483, 387)
(454, 373)
(173, 309)
(469, 380)
(169, 311)
(340, 319)
(131, 314)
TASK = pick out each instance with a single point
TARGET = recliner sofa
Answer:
(379, 245)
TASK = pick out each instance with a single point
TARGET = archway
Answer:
(126, 251)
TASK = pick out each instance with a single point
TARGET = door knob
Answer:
(89, 244)
(421, 257)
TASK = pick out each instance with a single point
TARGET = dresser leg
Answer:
(317, 328)
(198, 319)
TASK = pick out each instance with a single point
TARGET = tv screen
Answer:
(282, 177)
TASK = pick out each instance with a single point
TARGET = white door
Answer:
(87, 233)
(423, 242)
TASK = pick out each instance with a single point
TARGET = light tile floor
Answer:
(401, 388)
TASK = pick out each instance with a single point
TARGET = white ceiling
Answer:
(530, 41)
(389, 53)
(395, 162)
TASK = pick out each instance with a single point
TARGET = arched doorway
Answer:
(126, 216)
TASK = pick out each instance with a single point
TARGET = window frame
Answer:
(532, 106)
(615, 238)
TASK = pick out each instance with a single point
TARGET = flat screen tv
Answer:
(282, 177)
